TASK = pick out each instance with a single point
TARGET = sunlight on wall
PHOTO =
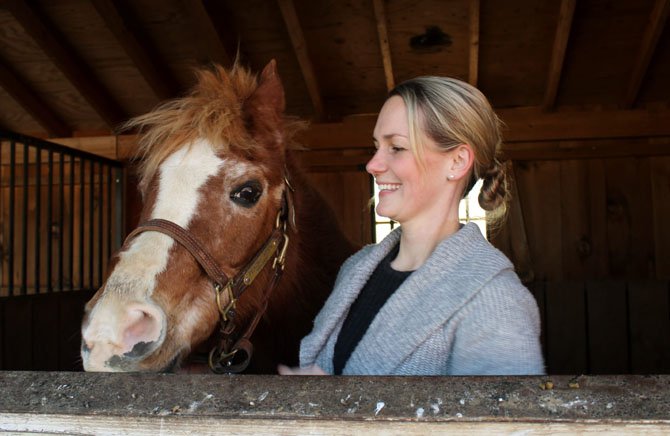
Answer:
(468, 210)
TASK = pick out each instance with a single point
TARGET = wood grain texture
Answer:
(660, 211)
(649, 326)
(607, 328)
(566, 341)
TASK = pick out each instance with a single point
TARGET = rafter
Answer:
(63, 55)
(473, 70)
(300, 47)
(121, 22)
(209, 40)
(656, 22)
(32, 102)
(382, 32)
(565, 15)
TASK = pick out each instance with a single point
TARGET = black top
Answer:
(380, 286)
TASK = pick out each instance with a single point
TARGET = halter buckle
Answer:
(228, 289)
(281, 257)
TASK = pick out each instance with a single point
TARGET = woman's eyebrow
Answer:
(390, 136)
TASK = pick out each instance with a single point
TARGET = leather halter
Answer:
(224, 357)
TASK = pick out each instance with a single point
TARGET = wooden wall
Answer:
(591, 218)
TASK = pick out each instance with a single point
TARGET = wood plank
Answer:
(473, 55)
(294, 30)
(598, 262)
(587, 148)
(543, 224)
(629, 222)
(654, 29)
(566, 328)
(212, 48)
(518, 238)
(211, 404)
(606, 303)
(3, 328)
(70, 310)
(649, 306)
(565, 340)
(121, 22)
(348, 194)
(565, 15)
(18, 334)
(45, 331)
(538, 290)
(63, 55)
(382, 32)
(582, 208)
(32, 102)
(660, 188)
(33, 424)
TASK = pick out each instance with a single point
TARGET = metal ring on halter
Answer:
(222, 361)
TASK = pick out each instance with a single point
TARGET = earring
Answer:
(451, 176)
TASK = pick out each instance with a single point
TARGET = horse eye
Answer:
(247, 194)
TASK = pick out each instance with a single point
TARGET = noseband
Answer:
(234, 350)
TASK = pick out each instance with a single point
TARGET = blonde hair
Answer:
(451, 112)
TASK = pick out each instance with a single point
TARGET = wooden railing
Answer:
(112, 404)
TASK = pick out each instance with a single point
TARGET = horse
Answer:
(235, 252)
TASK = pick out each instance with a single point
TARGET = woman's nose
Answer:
(376, 165)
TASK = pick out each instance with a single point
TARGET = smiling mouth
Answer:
(388, 186)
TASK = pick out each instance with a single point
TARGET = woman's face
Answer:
(406, 193)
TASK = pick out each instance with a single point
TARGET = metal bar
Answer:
(71, 232)
(82, 201)
(91, 222)
(49, 232)
(58, 148)
(61, 224)
(119, 187)
(38, 211)
(109, 213)
(101, 237)
(12, 193)
(24, 220)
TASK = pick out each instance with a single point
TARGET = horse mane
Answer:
(214, 110)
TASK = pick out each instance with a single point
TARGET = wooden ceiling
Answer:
(80, 67)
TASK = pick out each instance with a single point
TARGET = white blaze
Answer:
(180, 178)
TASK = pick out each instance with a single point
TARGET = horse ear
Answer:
(270, 89)
(264, 109)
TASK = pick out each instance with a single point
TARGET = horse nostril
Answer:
(85, 348)
(141, 330)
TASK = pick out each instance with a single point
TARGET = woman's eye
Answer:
(247, 194)
(396, 149)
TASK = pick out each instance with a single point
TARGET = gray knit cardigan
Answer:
(463, 312)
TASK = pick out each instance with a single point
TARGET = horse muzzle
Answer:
(120, 337)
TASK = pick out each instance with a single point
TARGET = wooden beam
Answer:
(524, 124)
(656, 22)
(32, 102)
(382, 32)
(300, 47)
(566, 12)
(530, 134)
(473, 69)
(209, 42)
(63, 55)
(121, 22)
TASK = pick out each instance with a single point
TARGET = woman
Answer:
(434, 297)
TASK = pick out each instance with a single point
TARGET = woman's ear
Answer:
(461, 159)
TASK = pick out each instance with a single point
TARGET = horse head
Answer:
(214, 164)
